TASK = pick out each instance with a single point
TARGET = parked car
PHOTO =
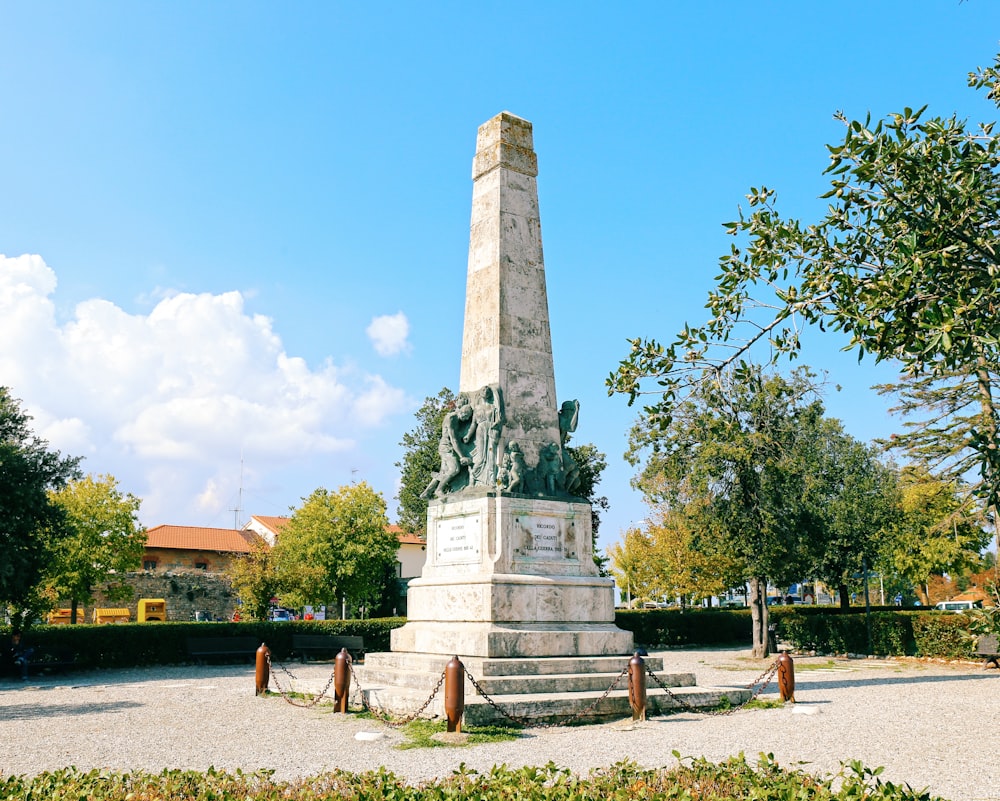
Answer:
(281, 615)
(958, 606)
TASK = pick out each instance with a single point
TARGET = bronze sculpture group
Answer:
(470, 452)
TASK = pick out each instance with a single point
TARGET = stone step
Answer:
(508, 685)
(543, 708)
(482, 667)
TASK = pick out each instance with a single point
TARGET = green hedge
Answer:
(666, 627)
(133, 644)
(692, 779)
(894, 632)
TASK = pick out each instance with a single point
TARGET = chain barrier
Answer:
(758, 686)
(384, 717)
(535, 724)
(761, 683)
(286, 693)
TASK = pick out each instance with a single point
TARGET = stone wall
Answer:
(184, 592)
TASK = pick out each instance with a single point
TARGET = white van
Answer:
(958, 606)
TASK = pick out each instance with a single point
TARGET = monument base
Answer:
(511, 640)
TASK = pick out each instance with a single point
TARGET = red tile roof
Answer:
(197, 538)
(276, 524)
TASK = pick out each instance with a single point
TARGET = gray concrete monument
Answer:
(510, 570)
(510, 583)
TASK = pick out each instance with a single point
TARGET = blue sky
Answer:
(240, 229)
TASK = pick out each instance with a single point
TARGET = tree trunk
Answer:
(72, 611)
(758, 616)
(845, 600)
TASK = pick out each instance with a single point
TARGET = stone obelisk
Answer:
(509, 570)
(506, 339)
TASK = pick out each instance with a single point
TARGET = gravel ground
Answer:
(931, 725)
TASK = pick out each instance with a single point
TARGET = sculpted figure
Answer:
(571, 472)
(453, 458)
(514, 470)
(487, 421)
(550, 469)
(569, 415)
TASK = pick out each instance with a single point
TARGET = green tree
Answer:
(732, 450)
(855, 499)
(904, 262)
(255, 580)
(934, 535)
(686, 563)
(336, 545)
(29, 519)
(631, 565)
(421, 460)
(103, 540)
(592, 463)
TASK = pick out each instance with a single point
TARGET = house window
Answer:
(399, 569)
(149, 564)
(201, 565)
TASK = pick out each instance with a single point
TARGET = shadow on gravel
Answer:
(31, 712)
(889, 681)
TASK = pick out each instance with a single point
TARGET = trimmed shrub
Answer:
(667, 627)
(135, 644)
(943, 634)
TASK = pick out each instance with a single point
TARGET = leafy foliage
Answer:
(421, 460)
(29, 519)
(904, 263)
(255, 580)
(336, 545)
(103, 538)
(692, 779)
(934, 534)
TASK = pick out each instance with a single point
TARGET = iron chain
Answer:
(383, 716)
(284, 693)
(764, 677)
(534, 724)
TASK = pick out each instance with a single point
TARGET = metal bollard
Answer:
(786, 677)
(637, 687)
(454, 693)
(341, 680)
(263, 673)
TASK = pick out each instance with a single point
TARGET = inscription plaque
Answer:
(542, 537)
(458, 540)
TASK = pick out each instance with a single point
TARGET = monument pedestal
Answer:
(509, 585)
(510, 576)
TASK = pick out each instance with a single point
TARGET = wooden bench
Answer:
(987, 647)
(44, 660)
(201, 648)
(328, 645)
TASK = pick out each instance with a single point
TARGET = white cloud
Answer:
(166, 401)
(389, 333)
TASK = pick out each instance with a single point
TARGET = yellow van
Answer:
(112, 615)
(151, 610)
(62, 617)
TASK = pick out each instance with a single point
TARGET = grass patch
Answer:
(419, 734)
(826, 664)
(764, 703)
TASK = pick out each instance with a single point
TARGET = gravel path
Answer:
(931, 725)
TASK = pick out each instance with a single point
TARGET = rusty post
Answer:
(637, 687)
(341, 680)
(786, 677)
(263, 673)
(454, 693)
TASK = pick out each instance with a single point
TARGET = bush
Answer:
(664, 627)
(698, 780)
(135, 644)
(942, 634)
